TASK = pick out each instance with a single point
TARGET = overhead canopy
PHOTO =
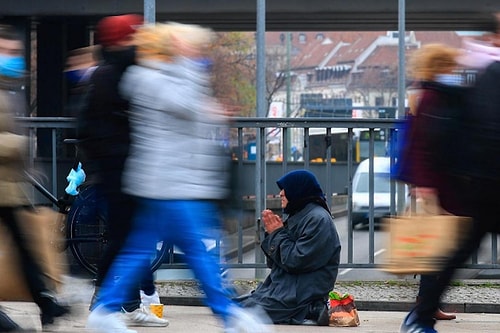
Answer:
(292, 15)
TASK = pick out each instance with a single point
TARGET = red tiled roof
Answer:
(309, 52)
(313, 51)
(359, 43)
(313, 54)
(382, 56)
(450, 38)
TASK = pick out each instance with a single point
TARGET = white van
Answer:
(382, 191)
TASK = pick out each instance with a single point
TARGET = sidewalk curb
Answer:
(362, 305)
(447, 307)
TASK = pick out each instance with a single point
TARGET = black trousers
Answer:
(482, 198)
(32, 272)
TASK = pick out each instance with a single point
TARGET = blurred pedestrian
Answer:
(441, 98)
(13, 152)
(104, 135)
(13, 71)
(478, 165)
(80, 65)
(482, 50)
(464, 177)
(303, 253)
(176, 170)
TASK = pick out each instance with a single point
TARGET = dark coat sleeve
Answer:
(103, 124)
(422, 149)
(425, 140)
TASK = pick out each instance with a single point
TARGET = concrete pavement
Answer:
(195, 319)
(382, 307)
(463, 296)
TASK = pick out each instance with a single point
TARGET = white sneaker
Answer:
(102, 321)
(147, 300)
(248, 320)
(142, 317)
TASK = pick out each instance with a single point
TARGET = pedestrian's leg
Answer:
(188, 225)
(120, 208)
(118, 223)
(128, 267)
(148, 284)
(432, 294)
(32, 271)
(428, 281)
(124, 275)
(149, 295)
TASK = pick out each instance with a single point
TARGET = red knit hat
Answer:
(113, 29)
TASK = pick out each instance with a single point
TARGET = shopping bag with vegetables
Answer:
(343, 310)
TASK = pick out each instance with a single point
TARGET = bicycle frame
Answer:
(62, 204)
(78, 238)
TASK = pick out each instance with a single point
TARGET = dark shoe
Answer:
(318, 312)
(323, 317)
(412, 325)
(51, 309)
(440, 315)
(7, 324)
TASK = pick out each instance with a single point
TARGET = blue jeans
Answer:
(184, 223)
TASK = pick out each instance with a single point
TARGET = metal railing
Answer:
(242, 128)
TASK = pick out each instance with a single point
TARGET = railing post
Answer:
(401, 87)
(260, 163)
(149, 11)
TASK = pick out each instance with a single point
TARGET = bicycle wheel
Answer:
(87, 231)
(87, 228)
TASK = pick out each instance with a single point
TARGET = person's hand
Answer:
(271, 221)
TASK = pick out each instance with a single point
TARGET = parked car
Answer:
(381, 195)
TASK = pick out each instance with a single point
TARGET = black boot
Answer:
(318, 311)
(51, 309)
(7, 324)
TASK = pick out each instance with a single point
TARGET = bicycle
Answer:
(85, 224)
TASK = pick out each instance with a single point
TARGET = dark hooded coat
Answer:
(303, 256)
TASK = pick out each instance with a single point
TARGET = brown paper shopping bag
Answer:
(41, 228)
(421, 244)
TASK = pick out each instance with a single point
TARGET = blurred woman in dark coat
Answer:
(429, 151)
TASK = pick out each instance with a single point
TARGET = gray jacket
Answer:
(175, 152)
